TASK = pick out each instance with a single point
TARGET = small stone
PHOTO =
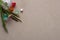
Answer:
(21, 10)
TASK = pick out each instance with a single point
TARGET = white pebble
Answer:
(21, 9)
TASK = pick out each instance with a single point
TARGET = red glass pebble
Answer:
(13, 4)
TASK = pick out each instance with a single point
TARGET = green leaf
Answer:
(1, 2)
(3, 22)
(15, 18)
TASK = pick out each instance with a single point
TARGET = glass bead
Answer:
(17, 12)
(11, 8)
(13, 4)
(5, 16)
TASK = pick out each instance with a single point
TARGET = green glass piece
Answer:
(16, 12)
(5, 16)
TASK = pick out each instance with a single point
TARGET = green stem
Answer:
(3, 22)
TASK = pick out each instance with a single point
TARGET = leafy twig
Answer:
(3, 22)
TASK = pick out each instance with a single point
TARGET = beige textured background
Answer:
(41, 21)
